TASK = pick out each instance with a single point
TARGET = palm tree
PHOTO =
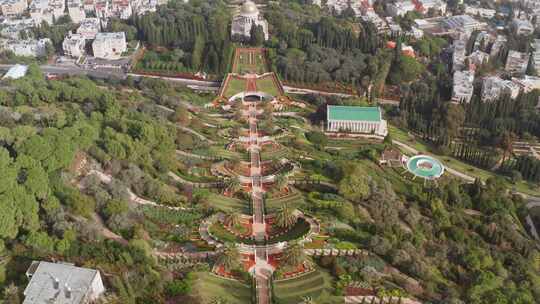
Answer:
(234, 185)
(229, 258)
(233, 219)
(285, 216)
(281, 181)
(294, 255)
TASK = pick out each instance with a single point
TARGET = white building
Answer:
(39, 12)
(121, 9)
(75, 10)
(29, 47)
(493, 87)
(89, 27)
(522, 27)
(459, 54)
(400, 8)
(478, 58)
(15, 72)
(463, 23)
(109, 45)
(12, 8)
(479, 11)
(462, 88)
(73, 45)
(356, 120)
(516, 62)
(424, 6)
(12, 28)
(62, 283)
(248, 16)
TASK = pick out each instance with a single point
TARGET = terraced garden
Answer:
(211, 289)
(313, 284)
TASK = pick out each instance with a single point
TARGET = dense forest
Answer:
(200, 30)
(44, 128)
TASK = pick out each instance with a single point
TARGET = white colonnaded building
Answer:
(356, 120)
(248, 16)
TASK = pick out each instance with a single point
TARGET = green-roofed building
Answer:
(356, 120)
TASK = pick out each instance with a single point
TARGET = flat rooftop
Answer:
(354, 113)
(49, 282)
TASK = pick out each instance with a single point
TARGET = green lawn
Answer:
(267, 85)
(234, 86)
(243, 64)
(317, 285)
(228, 204)
(294, 199)
(208, 288)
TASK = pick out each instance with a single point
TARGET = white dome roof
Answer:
(249, 8)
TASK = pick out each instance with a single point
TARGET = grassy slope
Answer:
(318, 285)
(209, 287)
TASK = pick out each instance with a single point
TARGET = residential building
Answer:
(356, 120)
(109, 45)
(12, 28)
(89, 27)
(380, 23)
(477, 59)
(536, 55)
(497, 45)
(75, 10)
(459, 54)
(147, 6)
(121, 9)
(522, 27)
(57, 8)
(248, 16)
(73, 45)
(463, 23)
(62, 283)
(494, 87)
(516, 62)
(483, 41)
(28, 47)
(462, 88)
(39, 12)
(11, 8)
(424, 6)
(102, 9)
(400, 8)
(480, 12)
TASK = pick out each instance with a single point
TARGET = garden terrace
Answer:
(249, 60)
(209, 287)
(293, 198)
(228, 204)
(300, 229)
(313, 284)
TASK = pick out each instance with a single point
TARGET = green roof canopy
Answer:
(354, 113)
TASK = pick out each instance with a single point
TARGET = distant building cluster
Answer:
(20, 16)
